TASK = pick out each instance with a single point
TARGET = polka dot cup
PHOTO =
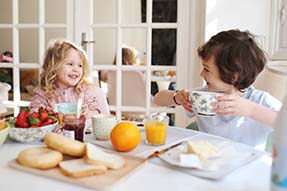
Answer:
(103, 125)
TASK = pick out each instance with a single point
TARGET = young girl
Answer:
(64, 79)
(231, 62)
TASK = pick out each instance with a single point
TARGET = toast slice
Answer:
(94, 155)
(77, 168)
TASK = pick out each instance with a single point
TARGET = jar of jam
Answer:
(74, 127)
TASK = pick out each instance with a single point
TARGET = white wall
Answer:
(252, 15)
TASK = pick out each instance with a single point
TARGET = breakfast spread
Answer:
(93, 160)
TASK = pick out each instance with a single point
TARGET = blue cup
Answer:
(66, 108)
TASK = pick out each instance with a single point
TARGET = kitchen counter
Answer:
(253, 176)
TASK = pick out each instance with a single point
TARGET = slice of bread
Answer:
(95, 155)
(77, 168)
(202, 149)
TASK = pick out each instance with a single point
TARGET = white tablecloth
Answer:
(254, 176)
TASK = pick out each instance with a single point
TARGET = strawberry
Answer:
(35, 115)
(22, 118)
(33, 120)
(46, 123)
(43, 116)
(52, 119)
(41, 110)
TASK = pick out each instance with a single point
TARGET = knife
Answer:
(156, 153)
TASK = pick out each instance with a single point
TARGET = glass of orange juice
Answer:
(156, 127)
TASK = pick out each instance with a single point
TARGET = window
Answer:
(278, 41)
(25, 31)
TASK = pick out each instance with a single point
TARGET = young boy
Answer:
(231, 61)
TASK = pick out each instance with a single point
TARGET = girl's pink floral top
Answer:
(93, 98)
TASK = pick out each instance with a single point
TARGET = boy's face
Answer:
(71, 70)
(210, 74)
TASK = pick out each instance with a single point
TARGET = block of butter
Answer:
(202, 149)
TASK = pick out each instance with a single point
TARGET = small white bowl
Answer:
(201, 101)
(4, 133)
(31, 134)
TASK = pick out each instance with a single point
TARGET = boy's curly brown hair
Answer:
(235, 52)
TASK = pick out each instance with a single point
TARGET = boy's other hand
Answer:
(182, 98)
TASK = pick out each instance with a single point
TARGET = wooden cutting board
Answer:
(103, 181)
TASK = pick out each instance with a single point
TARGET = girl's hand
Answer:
(85, 110)
(232, 105)
(182, 98)
(87, 113)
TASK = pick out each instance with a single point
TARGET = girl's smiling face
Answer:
(70, 71)
(210, 74)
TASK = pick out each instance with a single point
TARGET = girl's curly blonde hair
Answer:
(55, 54)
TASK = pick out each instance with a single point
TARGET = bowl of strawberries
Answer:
(31, 126)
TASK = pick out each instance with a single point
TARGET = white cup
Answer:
(103, 125)
(201, 101)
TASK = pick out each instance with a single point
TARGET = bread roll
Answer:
(65, 145)
(40, 157)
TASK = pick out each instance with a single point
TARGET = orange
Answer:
(125, 136)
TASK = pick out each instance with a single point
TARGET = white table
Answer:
(251, 177)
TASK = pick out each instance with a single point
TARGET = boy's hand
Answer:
(182, 98)
(232, 105)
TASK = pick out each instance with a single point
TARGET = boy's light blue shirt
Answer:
(241, 129)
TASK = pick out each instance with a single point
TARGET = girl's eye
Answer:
(81, 65)
(69, 64)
